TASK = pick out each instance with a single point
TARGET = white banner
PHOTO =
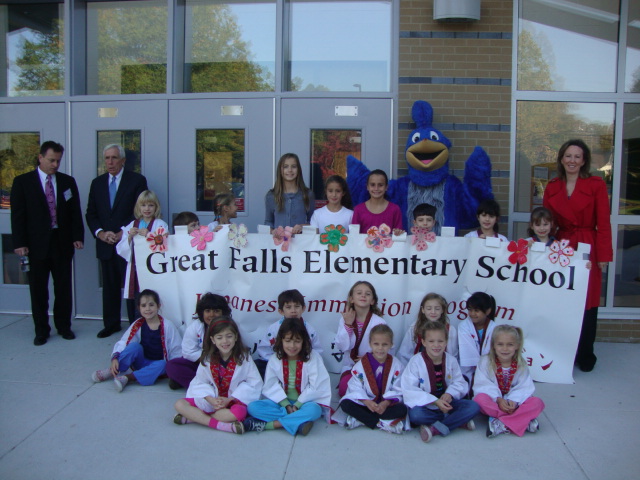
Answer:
(546, 299)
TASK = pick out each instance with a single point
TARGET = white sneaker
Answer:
(534, 426)
(120, 381)
(101, 375)
(352, 423)
(391, 426)
(496, 427)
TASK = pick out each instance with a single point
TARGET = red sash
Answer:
(136, 326)
(134, 287)
(285, 374)
(371, 376)
(431, 371)
(359, 336)
(222, 376)
(500, 376)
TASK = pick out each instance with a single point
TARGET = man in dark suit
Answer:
(46, 225)
(112, 198)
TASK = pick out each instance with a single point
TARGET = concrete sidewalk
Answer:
(57, 424)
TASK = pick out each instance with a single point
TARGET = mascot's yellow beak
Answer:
(427, 155)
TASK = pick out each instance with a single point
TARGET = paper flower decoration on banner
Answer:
(560, 252)
(238, 235)
(379, 238)
(157, 240)
(520, 250)
(282, 236)
(334, 237)
(201, 237)
(421, 236)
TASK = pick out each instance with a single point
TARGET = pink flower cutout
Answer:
(282, 236)
(561, 251)
(157, 240)
(421, 236)
(520, 250)
(379, 238)
(200, 237)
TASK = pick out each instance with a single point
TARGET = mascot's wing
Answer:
(476, 187)
(357, 174)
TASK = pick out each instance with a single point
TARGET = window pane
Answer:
(542, 127)
(230, 47)
(630, 181)
(568, 46)
(34, 42)
(340, 46)
(219, 166)
(12, 273)
(18, 155)
(329, 150)
(627, 277)
(632, 81)
(131, 140)
(127, 47)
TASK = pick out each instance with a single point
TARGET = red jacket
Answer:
(584, 217)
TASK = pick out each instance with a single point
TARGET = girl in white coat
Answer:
(474, 333)
(433, 308)
(433, 387)
(296, 384)
(374, 397)
(146, 347)
(147, 213)
(361, 315)
(227, 380)
(503, 386)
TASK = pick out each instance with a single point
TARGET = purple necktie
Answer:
(51, 200)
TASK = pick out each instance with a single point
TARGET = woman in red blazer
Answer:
(580, 207)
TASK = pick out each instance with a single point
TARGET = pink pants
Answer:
(238, 409)
(518, 421)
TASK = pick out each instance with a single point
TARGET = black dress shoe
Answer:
(68, 335)
(107, 332)
(39, 341)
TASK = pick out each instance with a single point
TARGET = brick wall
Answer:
(464, 71)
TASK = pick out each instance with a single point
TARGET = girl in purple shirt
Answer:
(378, 210)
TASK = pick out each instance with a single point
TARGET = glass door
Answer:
(323, 132)
(22, 129)
(221, 146)
(141, 128)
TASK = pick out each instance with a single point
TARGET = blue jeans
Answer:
(462, 412)
(146, 371)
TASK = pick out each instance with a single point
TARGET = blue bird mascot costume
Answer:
(429, 180)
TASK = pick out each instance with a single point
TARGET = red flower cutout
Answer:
(520, 250)
(157, 240)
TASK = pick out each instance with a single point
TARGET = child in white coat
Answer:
(433, 308)
(503, 386)
(146, 347)
(227, 380)
(474, 332)
(361, 315)
(374, 397)
(147, 213)
(296, 384)
(433, 388)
